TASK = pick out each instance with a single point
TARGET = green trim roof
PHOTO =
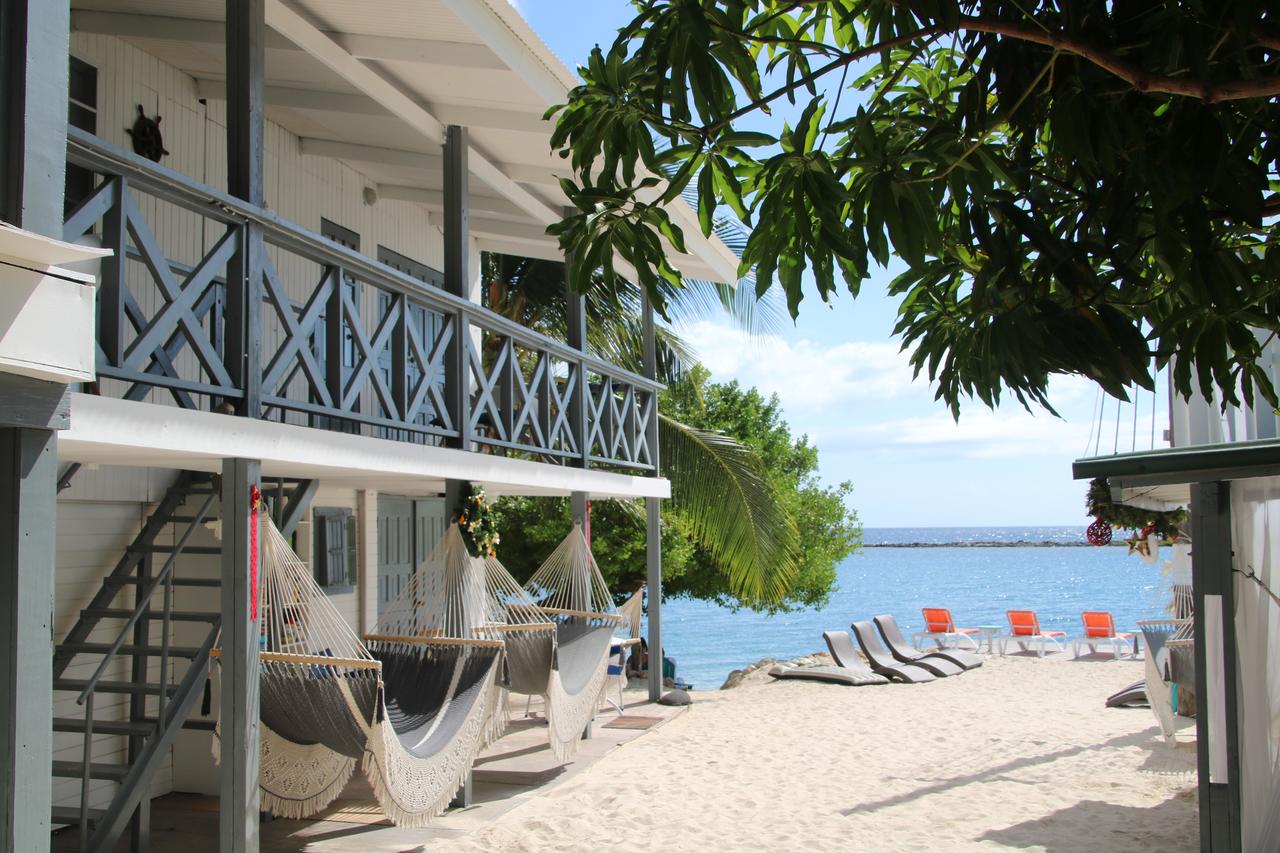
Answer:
(1236, 460)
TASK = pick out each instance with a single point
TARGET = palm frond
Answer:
(717, 485)
(621, 342)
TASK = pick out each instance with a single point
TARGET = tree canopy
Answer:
(826, 531)
(1084, 187)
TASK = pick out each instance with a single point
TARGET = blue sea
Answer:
(977, 583)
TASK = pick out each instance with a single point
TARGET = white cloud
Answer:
(808, 377)
(855, 397)
(980, 434)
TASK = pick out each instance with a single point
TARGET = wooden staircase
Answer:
(143, 685)
(126, 635)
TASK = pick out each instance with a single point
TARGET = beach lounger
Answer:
(941, 628)
(861, 677)
(882, 662)
(843, 652)
(1024, 629)
(905, 652)
(1100, 629)
(1134, 694)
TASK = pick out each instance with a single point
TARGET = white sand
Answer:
(1020, 754)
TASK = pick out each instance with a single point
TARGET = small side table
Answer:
(990, 632)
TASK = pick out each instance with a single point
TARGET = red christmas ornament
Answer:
(1098, 533)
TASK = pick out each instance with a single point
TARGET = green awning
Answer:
(1204, 463)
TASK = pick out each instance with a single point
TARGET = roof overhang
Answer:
(107, 431)
(1165, 475)
(374, 84)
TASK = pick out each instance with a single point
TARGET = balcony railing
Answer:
(328, 338)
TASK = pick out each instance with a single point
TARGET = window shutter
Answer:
(333, 557)
(336, 543)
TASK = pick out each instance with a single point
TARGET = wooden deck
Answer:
(510, 773)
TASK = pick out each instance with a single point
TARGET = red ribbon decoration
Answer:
(255, 500)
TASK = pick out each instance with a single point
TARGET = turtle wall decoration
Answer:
(147, 140)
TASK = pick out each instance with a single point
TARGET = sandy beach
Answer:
(1020, 754)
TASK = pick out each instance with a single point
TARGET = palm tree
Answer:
(717, 485)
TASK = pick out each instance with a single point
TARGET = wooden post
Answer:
(653, 514)
(28, 472)
(457, 279)
(239, 798)
(1213, 591)
(33, 106)
(246, 65)
(576, 320)
(34, 37)
(456, 493)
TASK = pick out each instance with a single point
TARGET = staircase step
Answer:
(213, 550)
(157, 615)
(75, 685)
(200, 724)
(104, 727)
(127, 649)
(70, 815)
(134, 579)
(75, 770)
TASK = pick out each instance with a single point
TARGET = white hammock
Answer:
(570, 592)
(414, 708)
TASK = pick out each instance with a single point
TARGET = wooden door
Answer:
(408, 528)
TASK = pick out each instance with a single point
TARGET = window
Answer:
(82, 112)
(333, 553)
(410, 267)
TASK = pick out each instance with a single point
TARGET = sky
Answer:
(843, 381)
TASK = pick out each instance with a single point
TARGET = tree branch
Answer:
(1143, 81)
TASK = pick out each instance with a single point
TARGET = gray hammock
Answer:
(413, 707)
(558, 630)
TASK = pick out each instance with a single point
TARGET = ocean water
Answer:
(978, 584)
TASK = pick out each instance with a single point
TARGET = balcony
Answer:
(328, 338)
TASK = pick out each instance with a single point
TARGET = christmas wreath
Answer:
(479, 529)
(1108, 515)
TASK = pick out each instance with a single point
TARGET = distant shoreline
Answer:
(1019, 544)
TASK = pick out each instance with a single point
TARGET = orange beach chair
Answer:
(941, 628)
(1024, 629)
(1100, 629)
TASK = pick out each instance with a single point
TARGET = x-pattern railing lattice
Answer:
(238, 325)
(179, 323)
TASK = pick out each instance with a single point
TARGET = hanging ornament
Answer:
(1098, 533)
(1146, 544)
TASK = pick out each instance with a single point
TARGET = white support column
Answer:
(367, 571)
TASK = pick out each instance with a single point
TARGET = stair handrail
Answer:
(144, 599)
(112, 824)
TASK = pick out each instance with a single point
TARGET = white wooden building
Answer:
(287, 295)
